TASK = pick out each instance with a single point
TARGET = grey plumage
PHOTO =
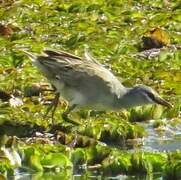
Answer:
(87, 83)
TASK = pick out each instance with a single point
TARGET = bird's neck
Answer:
(128, 99)
(123, 101)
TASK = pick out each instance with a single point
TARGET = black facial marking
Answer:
(150, 95)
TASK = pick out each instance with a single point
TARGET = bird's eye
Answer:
(57, 77)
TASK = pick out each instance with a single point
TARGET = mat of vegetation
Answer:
(138, 40)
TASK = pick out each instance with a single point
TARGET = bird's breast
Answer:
(94, 100)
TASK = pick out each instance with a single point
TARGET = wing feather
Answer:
(81, 75)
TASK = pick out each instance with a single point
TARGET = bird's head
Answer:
(146, 95)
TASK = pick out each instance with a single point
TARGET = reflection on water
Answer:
(85, 176)
(166, 139)
(64, 175)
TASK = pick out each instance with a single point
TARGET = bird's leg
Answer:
(53, 105)
(55, 102)
(66, 113)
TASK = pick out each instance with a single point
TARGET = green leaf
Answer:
(53, 160)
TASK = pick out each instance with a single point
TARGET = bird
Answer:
(86, 83)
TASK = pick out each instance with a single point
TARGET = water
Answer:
(167, 138)
(86, 176)
(163, 138)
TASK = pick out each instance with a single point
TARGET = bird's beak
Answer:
(163, 102)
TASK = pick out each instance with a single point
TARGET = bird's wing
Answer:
(60, 54)
(82, 75)
(63, 54)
